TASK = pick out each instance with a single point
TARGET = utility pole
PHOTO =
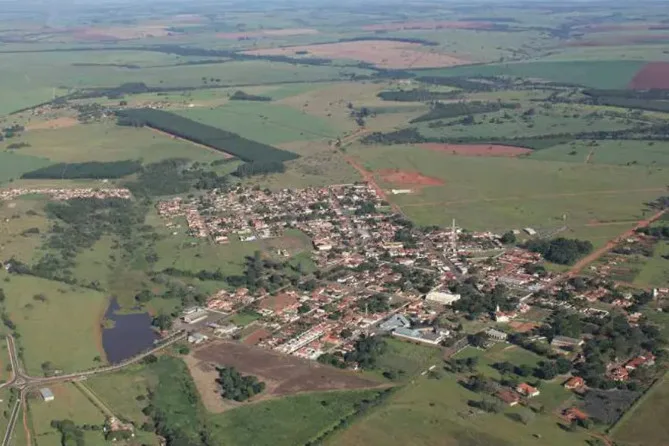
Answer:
(454, 239)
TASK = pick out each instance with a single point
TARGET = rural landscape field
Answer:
(298, 224)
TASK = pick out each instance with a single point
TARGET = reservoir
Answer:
(130, 334)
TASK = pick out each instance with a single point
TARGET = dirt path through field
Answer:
(534, 197)
(585, 261)
(26, 429)
(588, 159)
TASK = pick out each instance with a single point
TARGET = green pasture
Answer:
(63, 330)
(408, 359)
(436, 411)
(613, 53)
(120, 392)
(646, 153)
(655, 270)
(501, 193)
(590, 73)
(18, 216)
(286, 421)
(13, 165)
(109, 142)
(263, 122)
(643, 424)
(69, 404)
(556, 120)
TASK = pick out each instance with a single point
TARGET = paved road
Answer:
(12, 422)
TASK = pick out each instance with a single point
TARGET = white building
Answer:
(442, 297)
(47, 394)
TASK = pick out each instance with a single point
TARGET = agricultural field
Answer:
(505, 193)
(633, 429)
(621, 153)
(58, 323)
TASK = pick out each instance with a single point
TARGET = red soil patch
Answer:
(477, 149)
(523, 327)
(257, 336)
(408, 178)
(284, 375)
(429, 24)
(382, 53)
(268, 33)
(652, 75)
(279, 302)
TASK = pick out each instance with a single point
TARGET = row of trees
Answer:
(240, 95)
(197, 132)
(453, 110)
(92, 169)
(418, 95)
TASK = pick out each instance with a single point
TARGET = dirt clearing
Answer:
(382, 53)
(283, 375)
(492, 150)
(652, 75)
(52, 124)
(268, 33)
(408, 178)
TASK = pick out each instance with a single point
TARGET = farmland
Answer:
(521, 122)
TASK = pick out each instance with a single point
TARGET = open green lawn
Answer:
(265, 122)
(69, 404)
(646, 153)
(590, 73)
(430, 411)
(655, 271)
(120, 390)
(408, 359)
(499, 353)
(65, 329)
(13, 165)
(109, 142)
(498, 194)
(285, 422)
(644, 424)
(18, 216)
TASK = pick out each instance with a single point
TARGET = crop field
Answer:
(622, 153)
(436, 411)
(61, 326)
(12, 165)
(266, 123)
(503, 193)
(633, 429)
(598, 74)
(108, 142)
(286, 421)
(69, 404)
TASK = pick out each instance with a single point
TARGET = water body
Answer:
(131, 334)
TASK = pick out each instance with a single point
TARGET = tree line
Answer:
(561, 250)
(91, 169)
(224, 141)
(453, 110)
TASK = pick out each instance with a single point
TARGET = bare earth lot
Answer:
(283, 375)
(652, 75)
(476, 149)
(407, 178)
(382, 53)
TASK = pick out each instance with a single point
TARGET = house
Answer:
(574, 413)
(501, 316)
(197, 316)
(566, 341)
(424, 336)
(644, 360)
(574, 383)
(197, 338)
(442, 297)
(47, 394)
(527, 390)
(508, 397)
(395, 321)
(530, 231)
(496, 335)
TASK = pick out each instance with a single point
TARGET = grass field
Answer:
(498, 194)
(109, 142)
(13, 165)
(65, 329)
(431, 411)
(119, 391)
(18, 216)
(655, 271)
(643, 424)
(286, 421)
(264, 122)
(69, 404)
(408, 359)
(590, 73)
(645, 153)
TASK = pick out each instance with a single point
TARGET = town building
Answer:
(394, 322)
(496, 335)
(425, 336)
(527, 390)
(573, 413)
(566, 341)
(442, 297)
(197, 338)
(47, 394)
(194, 317)
(574, 383)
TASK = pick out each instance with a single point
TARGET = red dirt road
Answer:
(585, 261)
(652, 75)
(477, 149)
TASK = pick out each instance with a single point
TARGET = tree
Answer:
(547, 370)
(508, 238)
(162, 321)
(563, 365)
